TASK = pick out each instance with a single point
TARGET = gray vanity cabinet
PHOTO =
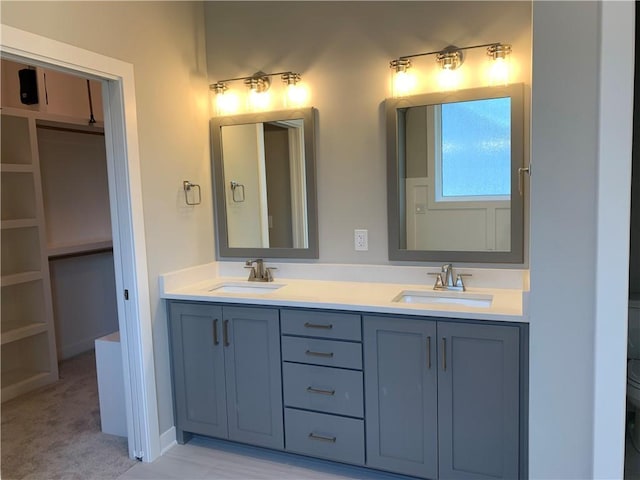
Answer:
(198, 369)
(478, 401)
(400, 378)
(226, 366)
(442, 398)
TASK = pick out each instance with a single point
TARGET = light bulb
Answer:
(499, 71)
(449, 79)
(258, 100)
(226, 103)
(404, 83)
(296, 95)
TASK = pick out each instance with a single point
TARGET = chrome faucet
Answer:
(444, 279)
(259, 273)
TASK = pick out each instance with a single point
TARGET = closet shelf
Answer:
(22, 332)
(76, 249)
(22, 277)
(15, 168)
(20, 223)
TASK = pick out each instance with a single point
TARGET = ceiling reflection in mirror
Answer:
(453, 172)
(265, 188)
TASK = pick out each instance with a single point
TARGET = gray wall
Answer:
(634, 267)
(563, 235)
(343, 50)
(581, 139)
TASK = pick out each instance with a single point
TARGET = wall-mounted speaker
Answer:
(28, 86)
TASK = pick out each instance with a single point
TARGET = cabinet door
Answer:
(478, 401)
(254, 382)
(401, 397)
(198, 369)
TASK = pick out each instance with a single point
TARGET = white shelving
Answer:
(27, 337)
(55, 228)
(94, 246)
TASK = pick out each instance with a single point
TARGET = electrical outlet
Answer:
(361, 240)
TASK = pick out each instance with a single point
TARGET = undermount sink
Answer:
(443, 297)
(239, 287)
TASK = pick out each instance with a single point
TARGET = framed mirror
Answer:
(265, 184)
(454, 187)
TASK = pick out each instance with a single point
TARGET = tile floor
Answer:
(204, 458)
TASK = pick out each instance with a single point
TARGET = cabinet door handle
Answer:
(215, 332)
(319, 354)
(320, 391)
(429, 353)
(444, 354)
(323, 438)
(225, 333)
(315, 325)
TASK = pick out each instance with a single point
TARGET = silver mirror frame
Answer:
(395, 207)
(223, 250)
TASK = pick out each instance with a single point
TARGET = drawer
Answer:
(325, 436)
(331, 353)
(340, 326)
(324, 389)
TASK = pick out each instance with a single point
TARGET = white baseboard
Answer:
(167, 440)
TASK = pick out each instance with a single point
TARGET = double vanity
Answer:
(378, 366)
(392, 376)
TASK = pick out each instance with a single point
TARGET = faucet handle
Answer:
(252, 273)
(460, 282)
(268, 273)
(439, 282)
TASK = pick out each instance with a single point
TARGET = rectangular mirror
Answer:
(454, 186)
(264, 180)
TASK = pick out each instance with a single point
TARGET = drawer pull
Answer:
(316, 325)
(225, 333)
(429, 353)
(444, 354)
(319, 354)
(315, 436)
(321, 391)
(215, 332)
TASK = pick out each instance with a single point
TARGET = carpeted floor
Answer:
(54, 433)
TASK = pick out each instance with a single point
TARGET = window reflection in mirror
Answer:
(453, 176)
(264, 178)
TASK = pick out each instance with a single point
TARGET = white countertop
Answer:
(196, 284)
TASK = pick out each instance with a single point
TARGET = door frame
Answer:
(127, 220)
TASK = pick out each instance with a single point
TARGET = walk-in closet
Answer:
(57, 268)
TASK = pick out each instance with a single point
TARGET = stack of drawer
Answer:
(322, 383)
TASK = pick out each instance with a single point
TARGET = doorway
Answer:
(129, 248)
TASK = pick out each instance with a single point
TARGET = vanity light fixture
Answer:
(258, 85)
(499, 71)
(403, 81)
(296, 94)
(226, 101)
(449, 59)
